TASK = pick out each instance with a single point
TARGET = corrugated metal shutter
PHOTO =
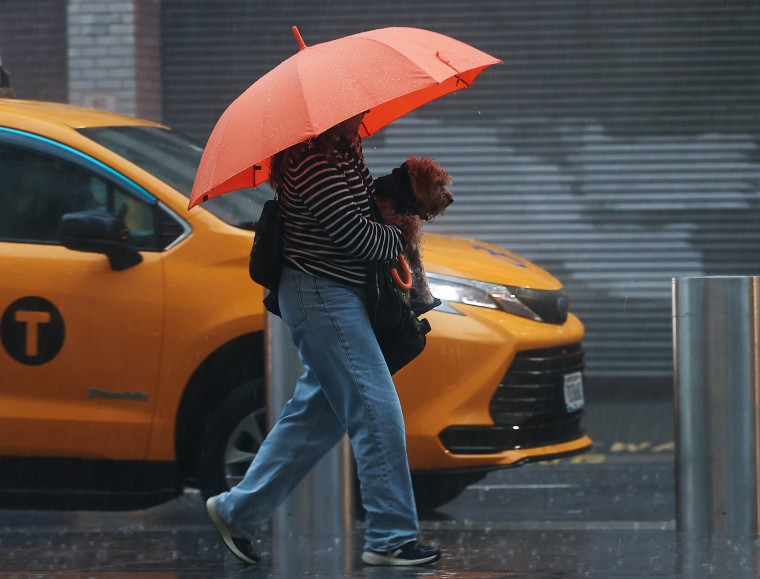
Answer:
(617, 146)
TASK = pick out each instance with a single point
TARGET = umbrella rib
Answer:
(452, 67)
(313, 132)
(366, 130)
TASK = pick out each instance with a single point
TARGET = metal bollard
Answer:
(315, 524)
(716, 335)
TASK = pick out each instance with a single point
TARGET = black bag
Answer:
(265, 265)
(400, 333)
(266, 254)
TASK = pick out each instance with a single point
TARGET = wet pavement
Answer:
(606, 514)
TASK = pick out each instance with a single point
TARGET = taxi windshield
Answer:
(174, 159)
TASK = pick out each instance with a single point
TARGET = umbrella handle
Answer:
(406, 283)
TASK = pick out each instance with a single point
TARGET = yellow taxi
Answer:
(131, 337)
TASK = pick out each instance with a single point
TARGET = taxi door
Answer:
(79, 341)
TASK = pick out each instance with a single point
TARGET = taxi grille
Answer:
(528, 407)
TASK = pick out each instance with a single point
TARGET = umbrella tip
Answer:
(299, 39)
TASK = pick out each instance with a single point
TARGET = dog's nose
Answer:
(450, 200)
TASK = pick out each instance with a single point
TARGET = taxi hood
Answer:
(477, 260)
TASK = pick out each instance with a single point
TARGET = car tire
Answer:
(233, 435)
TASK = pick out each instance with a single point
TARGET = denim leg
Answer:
(306, 429)
(346, 388)
(339, 344)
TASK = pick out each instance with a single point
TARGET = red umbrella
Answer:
(389, 72)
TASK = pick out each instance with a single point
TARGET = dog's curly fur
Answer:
(415, 192)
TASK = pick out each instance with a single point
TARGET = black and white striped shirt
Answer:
(328, 230)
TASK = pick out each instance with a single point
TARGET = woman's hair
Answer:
(281, 161)
(328, 143)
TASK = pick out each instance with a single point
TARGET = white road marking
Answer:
(512, 487)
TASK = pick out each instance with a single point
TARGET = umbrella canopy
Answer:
(389, 72)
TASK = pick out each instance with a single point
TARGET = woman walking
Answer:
(325, 191)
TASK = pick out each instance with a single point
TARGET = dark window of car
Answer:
(38, 189)
(174, 159)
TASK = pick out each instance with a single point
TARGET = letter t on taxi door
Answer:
(32, 321)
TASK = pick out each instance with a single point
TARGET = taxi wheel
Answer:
(232, 438)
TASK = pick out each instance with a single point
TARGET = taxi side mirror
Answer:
(99, 232)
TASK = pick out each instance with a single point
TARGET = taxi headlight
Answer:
(454, 290)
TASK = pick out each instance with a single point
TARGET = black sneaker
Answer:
(240, 546)
(411, 553)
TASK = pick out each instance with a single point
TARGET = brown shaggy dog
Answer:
(413, 192)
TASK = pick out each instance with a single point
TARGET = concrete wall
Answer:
(114, 55)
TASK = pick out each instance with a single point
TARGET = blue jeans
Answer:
(346, 387)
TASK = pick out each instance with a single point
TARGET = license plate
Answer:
(573, 391)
